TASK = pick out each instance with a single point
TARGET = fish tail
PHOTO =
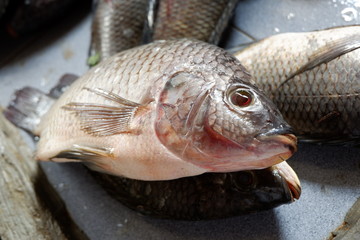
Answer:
(27, 107)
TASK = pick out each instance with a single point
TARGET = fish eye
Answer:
(244, 179)
(241, 97)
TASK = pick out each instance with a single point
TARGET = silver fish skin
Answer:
(204, 20)
(117, 25)
(313, 78)
(205, 196)
(166, 110)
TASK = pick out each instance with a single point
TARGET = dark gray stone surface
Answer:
(330, 175)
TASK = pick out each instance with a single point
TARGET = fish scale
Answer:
(176, 19)
(320, 103)
(117, 25)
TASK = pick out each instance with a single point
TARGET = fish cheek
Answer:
(178, 112)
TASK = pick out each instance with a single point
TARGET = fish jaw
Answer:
(220, 154)
(292, 180)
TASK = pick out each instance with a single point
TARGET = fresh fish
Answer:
(165, 110)
(200, 19)
(208, 196)
(117, 25)
(314, 80)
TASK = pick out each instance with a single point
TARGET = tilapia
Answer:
(165, 110)
(207, 196)
(314, 80)
(200, 19)
(117, 25)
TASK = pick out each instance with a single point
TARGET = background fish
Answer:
(117, 25)
(203, 20)
(313, 78)
(208, 196)
(163, 111)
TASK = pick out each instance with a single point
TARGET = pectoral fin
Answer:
(105, 120)
(96, 158)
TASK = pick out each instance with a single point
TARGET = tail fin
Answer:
(27, 107)
(29, 104)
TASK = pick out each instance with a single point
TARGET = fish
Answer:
(117, 25)
(313, 79)
(120, 25)
(207, 196)
(203, 197)
(165, 110)
(203, 20)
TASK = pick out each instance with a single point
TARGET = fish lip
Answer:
(291, 179)
(288, 139)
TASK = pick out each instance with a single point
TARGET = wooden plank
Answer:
(350, 229)
(22, 214)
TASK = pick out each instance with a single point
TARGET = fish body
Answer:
(117, 25)
(204, 20)
(166, 110)
(313, 78)
(202, 197)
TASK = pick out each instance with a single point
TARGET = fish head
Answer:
(222, 128)
(255, 190)
(245, 130)
(212, 115)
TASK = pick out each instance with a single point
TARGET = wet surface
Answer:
(330, 175)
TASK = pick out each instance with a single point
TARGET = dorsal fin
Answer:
(325, 54)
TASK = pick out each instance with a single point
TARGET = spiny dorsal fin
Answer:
(104, 120)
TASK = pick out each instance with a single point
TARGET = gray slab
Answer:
(330, 175)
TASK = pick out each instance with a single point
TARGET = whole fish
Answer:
(207, 196)
(314, 80)
(200, 19)
(165, 110)
(117, 25)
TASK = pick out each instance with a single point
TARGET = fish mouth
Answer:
(291, 179)
(289, 140)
